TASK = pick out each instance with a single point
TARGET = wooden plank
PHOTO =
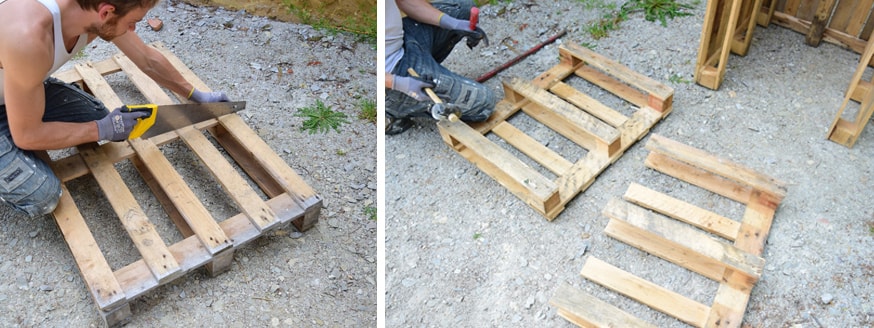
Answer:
(716, 165)
(746, 25)
(245, 161)
(728, 307)
(99, 87)
(162, 197)
(148, 87)
(503, 110)
(756, 223)
(696, 176)
(613, 86)
(791, 7)
(143, 234)
(568, 63)
(585, 310)
(103, 67)
(136, 280)
(197, 216)
(842, 14)
(830, 35)
(591, 105)
(682, 245)
(682, 211)
(573, 123)
(643, 291)
(232, 183)
(621, 72)
(523, 181)
(96, 272)
(528, 146)
(820, 19)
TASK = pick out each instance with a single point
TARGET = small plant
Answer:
(321, 118)
(676, 78)
(476, 235)
(370, 211)
(341, 152)
(653, 10)
(367, 110)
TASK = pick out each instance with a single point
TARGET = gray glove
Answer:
(462, 27)
(412, 87)
(208, 97)
(118, 124)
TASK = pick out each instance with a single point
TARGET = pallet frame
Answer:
(846, 132)
(604, 132)
(205, 241)
(728, 28)
(671, 229)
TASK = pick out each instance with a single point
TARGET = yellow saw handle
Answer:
(143, 124)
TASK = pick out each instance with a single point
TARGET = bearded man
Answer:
(38, 112)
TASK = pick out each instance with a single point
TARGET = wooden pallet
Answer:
(844, 131)
(846, 23)
(604, 132)
(206, 241)
(671, 229)
(728, 28)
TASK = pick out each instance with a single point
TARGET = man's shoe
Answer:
(397, 125)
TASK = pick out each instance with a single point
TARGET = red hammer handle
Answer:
(474, 18)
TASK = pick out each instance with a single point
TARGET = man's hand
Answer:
(118, 124)
(463, 27)
(207, 97)
(412, 87)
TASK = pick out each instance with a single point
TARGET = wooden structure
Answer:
(604, 132)
(726, 251)
(729, 25)
(859, 93)
(207, 242)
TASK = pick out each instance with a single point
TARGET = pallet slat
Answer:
(679, 210)
(643, 291)
(585, 310)
(528, 146)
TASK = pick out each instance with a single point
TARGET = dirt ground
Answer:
(462, 251)
(324, 277)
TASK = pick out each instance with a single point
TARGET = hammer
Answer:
(440, 110)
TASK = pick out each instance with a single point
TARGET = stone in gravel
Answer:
(826, 298)
(295, 235)
(33, 234)
(529, 302)
(28, 258)
(46, 288)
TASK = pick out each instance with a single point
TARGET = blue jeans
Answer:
(26, 182)
(425, 47)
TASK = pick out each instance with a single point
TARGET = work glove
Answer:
(118, 124)
(462, 27)
(207, 97)
(412, 86)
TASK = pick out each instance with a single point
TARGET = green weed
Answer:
(363, 25)
(654, 10)
(321, 118)
(676, 78)
(370, 211)
(367, 110)
(476, 235)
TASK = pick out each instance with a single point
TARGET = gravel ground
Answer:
(462, 251)
(325, 276)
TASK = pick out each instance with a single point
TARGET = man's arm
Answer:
(151, 62)
(420, 10)
(26, 58)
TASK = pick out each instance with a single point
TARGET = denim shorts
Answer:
(425, 47)
(27, 183)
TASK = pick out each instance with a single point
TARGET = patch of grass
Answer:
(321, 118)
(367, 110)
(870, 225)
(676, 78)
(654, 10)
(370, 211)
(476, 235)
(362, 24)
(489, 2)
(341, 152)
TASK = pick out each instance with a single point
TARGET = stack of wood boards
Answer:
(724, 250)
(207, 241)
(603, 132)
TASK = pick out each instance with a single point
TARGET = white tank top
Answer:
(61, 54)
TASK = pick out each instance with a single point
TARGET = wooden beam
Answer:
(585, 310)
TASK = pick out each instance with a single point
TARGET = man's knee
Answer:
(28, 185)
(479, 100)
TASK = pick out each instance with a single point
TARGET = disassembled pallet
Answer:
(207, 242)
(604, 132)
(671, 229)
(846, 132)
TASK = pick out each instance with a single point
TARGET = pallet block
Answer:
(728, 28)
(604, 132)
(846, 132)
(206, 241)
(672, 229)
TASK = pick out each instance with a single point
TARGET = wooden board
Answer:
(604, 133)
(846, 131)
(207, 241)
(682, 237)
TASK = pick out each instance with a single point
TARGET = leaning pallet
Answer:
(206, 241)
(859, 93)
(728, 28)
(670, 228)
(604, 132)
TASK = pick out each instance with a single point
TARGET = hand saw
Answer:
(173, 117)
